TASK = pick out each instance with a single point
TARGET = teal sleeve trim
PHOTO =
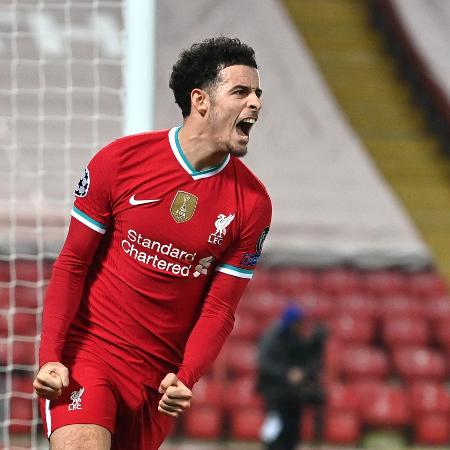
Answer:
(86, 217)
(236, 269)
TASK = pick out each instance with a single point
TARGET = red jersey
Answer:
(171, 235)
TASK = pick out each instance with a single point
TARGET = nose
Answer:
(254, 102)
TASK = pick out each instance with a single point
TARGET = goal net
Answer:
(61, 65)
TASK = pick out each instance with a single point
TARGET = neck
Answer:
(199, 148)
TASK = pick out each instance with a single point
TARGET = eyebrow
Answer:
(258, 91)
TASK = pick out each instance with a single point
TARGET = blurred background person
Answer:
(289, 378)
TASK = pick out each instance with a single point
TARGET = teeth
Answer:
(249, 121)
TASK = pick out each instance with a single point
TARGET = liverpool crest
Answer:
(183, 206)
(75, 396)
(221, 225)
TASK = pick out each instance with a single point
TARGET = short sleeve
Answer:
(93, 193)
(241, 259)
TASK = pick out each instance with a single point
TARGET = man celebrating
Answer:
(167, 228)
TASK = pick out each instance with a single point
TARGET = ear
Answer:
(200, 101)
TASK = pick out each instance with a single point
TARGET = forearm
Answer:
(62, 301)
(212, 328)
(205, 342)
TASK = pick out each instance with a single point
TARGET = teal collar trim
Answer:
(178, 151)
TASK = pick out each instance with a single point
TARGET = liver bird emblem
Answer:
(221, 224)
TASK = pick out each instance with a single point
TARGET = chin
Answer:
(239, 152)
(239, 149)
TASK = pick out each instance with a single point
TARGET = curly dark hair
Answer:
(199, 66)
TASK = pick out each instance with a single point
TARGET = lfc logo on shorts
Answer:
(183, 206)
(75, 396)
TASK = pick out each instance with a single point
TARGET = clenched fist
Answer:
(176, 396)
(51, 379)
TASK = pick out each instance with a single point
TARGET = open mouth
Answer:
(244, 126)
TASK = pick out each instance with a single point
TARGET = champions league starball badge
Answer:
(83, 185)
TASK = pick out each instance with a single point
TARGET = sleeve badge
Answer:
(250, 259)
(83, 185)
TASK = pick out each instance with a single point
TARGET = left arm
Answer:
(212, 328)
(217, 315)
(205, 341)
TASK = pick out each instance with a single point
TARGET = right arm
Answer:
(62, 301)
(91, 216)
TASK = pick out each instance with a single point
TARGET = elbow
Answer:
(72, 263)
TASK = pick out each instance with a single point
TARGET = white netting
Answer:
(60, 100)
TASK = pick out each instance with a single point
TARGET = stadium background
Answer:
(352, 144)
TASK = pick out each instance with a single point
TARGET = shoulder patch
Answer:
(83, 185)
(249, 259)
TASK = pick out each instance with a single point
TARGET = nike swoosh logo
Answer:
(135, 202)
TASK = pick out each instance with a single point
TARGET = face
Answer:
(235, 105)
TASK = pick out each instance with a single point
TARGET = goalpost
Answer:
(64, 92)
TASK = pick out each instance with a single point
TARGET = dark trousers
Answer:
(290, 415)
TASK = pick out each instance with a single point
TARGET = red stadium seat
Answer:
(432, 429)
(438, 309)
(359, 306)
(23, 353)
(208, 392)
(264, 306)
(385, 406)
(427, 285)
(25, 324)
(383, 284)
(241, 358)
(363, 387)
(405, 331)
(340, 282)
(316, 306)
(415, 364)
(27, 270)
(22, 384)
(364, 362)
(342, 427)
(245, 424)
(5, 271)
(263, 280)
(429, 398)
(296, 282)
(353, 330)
(402, 306)
(203, 422)
(21, 411)
(20, 297)
(4, 326)
(342, 397)
(246, 328)
(242, 394)
(4, 299)
(332, 357)
(28, 297)
(441, 332)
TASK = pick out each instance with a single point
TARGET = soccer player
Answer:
(167, 228)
